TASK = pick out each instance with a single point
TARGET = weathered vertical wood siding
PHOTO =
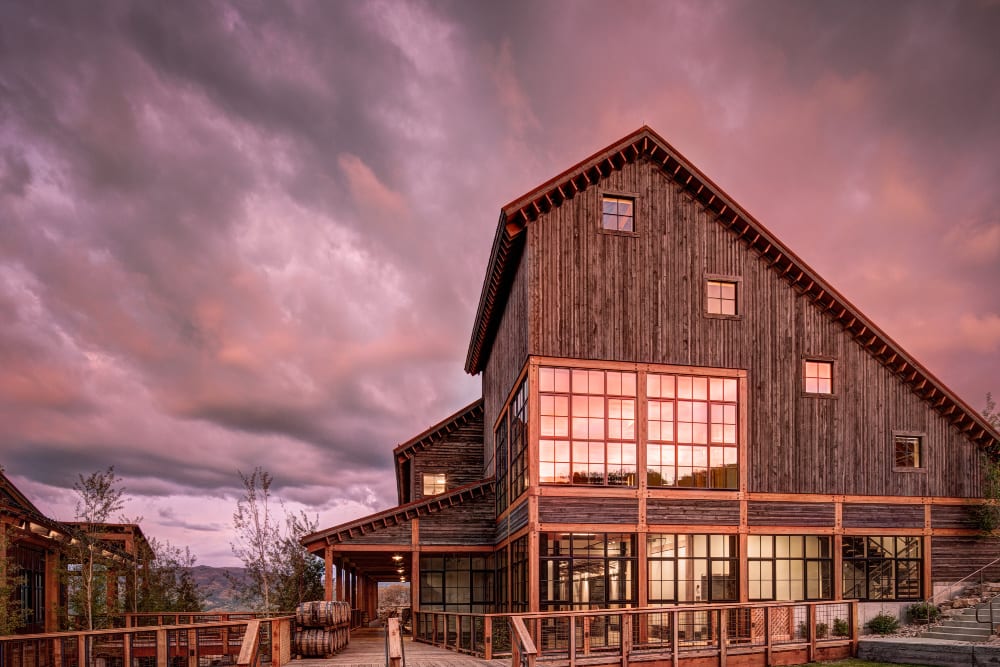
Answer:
(507, 357)
(640, 298)
(458, 454)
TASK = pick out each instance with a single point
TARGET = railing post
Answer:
(854, 627)
(723, 635)
(83, 659)
(811, 629)
(767, 636)
(162, 649)
(126, 649)
(572, 641)
(487, 637)
(57, 652)
(626, 639)
(193, 648)
(586, 635)
(675, 638)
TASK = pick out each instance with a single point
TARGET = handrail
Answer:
(991, 618)
(523, 650)
(250, 649)
(956, 583)
(394, 652)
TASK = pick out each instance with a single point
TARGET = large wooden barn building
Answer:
(675, 408)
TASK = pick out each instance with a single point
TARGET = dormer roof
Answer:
(644, 143)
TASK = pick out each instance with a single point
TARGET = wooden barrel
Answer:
(304, 614)
(315, 643)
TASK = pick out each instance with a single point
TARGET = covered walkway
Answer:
(367, 649)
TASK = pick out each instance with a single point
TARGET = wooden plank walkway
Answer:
(367, 649)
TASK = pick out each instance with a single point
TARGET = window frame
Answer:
(819, 359)
(618, 194)
(737, 283)
(423, 483)
(921, 466)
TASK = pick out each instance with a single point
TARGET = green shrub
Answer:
(841, 628)
(883, 624)
(922, 612)
(822, 630)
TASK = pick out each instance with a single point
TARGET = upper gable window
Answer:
(617, 214)
(908, 451)
(818, 377)
(720, 297)
(434, 483)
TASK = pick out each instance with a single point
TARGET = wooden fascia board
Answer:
(433, 433)
(407, 512)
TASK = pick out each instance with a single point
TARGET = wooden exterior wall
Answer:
(507, 358)
(458, 454)
(640, 298)
(468, 524)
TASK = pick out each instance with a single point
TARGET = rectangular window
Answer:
(457, 583)
(882, 568)
(617, 214)
(818, 377)
(692, 568)
(908, 451)
(587, 570)
(500, 442)
(720, 297)
(692, 431)
(434, 483)
(510, 438)
(790, 567)
(587, 427)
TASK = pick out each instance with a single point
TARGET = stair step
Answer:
(954, 636)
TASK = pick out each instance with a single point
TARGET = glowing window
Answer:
(720, 297)
(819, 377)
(434, 483)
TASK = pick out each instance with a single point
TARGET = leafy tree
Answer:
(169, 583)
(11, 617)
(99, 496)
(989, 512)
(279, 571)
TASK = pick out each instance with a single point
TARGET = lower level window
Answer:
(692, 568)
(790, 567)
(882, 568)
(587, 570)
(456, 583)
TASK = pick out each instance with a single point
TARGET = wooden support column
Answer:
(328, 573)
(340, 579)
(925, 552)
(52, 591)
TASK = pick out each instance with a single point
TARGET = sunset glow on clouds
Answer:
(255, 233)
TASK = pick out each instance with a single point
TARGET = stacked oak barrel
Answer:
(321, 628)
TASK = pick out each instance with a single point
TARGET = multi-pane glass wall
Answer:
(588, 428)
(790, 567)
(882, 568)
(457, 583)
(692, 568)
(587, 570)
(510, 440)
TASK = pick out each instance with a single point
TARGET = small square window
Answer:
(908, 451)
(617, 214)
(434, 483)
(720, 297)
(819, 377)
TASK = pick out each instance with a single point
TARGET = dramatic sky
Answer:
(255, 233)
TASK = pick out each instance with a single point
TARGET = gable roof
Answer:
(399, 514)
(508, 244)
(424, 440)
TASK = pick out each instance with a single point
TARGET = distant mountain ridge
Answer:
(215, 586)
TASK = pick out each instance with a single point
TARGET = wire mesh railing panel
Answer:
(605, 631)
(70, 652)
(697, 629)
(501, 636)
(551, 635)
(478, 634)
(142, 648)
(833, 622)
(654, 631)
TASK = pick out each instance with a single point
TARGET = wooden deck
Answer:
(367, 649)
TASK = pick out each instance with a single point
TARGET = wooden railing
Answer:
(394, 651)
(177, 645)
(779, 633)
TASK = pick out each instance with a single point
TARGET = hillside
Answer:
(215, 587)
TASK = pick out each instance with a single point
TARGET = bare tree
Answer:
(99, 496)
(280, 573)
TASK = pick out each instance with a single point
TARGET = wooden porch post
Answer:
(328, 573)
